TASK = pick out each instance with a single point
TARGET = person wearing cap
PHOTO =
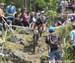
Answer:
(72, 37)
(54, 45)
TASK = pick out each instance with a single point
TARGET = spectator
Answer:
(32, 19)
(10, 11)
(57, 23)
(64, 5)
(67, 19)
(26, 17)
(70, 5)
(2, 10)
(43, 20)
(38, 21)
(54, 46)
(72, 37)
(73, 5)
(2, 14)
(18, 17)
(72, 15)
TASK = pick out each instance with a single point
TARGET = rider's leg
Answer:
(33, 25)
(44, 26)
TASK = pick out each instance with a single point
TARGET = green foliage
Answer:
(51, 13)
(65, 33)
(54, 4)
(2, 0)
(40, 3)
(17, 3)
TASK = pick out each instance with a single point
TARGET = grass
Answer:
(13, 46)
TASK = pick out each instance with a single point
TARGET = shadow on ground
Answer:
(28, 48)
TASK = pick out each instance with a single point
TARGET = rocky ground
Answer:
(20, 44)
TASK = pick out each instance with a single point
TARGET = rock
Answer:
(16, 38)
(26, 31)
(20, 54)
(44, 59)
(10, 62)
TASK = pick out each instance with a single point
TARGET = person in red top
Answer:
(26, 17)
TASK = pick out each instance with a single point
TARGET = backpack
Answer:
(52, 40)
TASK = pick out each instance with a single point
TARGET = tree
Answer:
(38, 5)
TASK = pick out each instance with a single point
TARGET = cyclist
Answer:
(40, 23)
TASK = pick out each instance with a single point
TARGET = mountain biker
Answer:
(41, 22)
(54, 46)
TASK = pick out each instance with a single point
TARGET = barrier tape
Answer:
(15, 26)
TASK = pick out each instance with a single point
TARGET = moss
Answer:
(13, 46)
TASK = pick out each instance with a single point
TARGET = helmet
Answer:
(51, 29)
